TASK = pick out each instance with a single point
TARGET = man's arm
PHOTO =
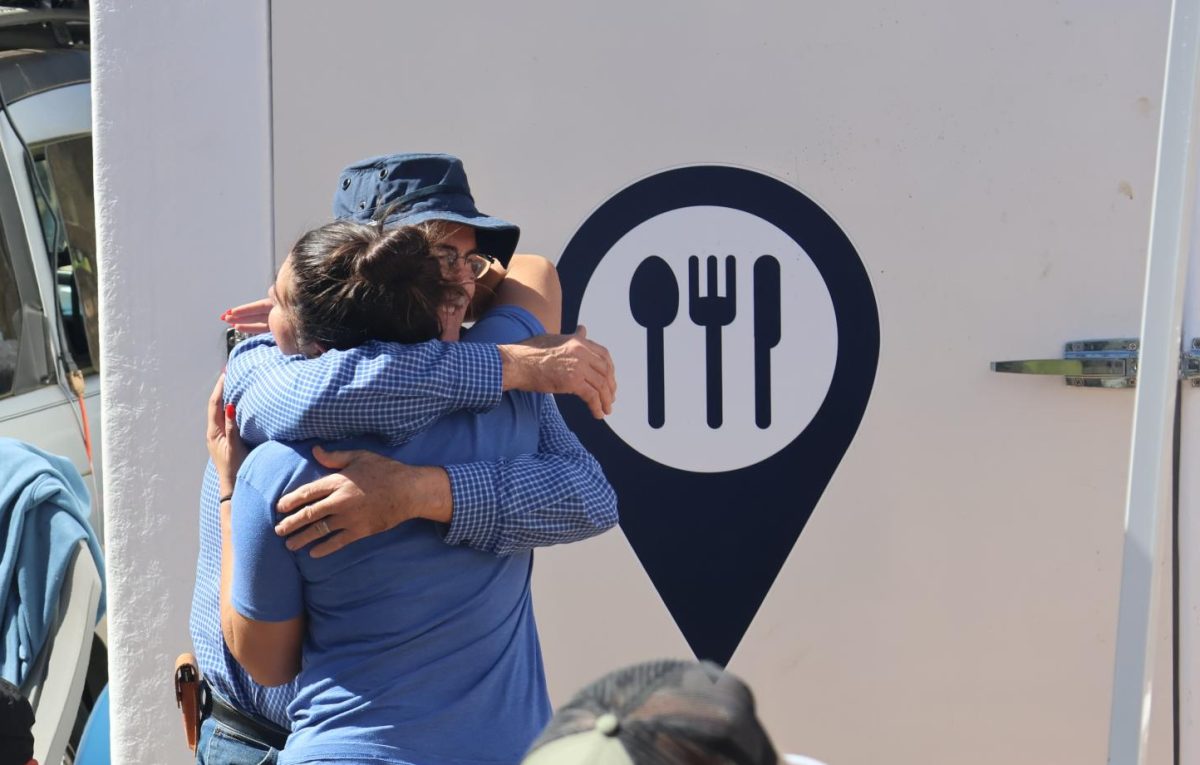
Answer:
(389, 389)
(555, 496)
(396, 390)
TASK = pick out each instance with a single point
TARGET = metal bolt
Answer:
(1131, 346)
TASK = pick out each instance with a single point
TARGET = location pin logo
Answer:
(746, 333)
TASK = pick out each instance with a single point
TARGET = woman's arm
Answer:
(268, 649)
(532, 283)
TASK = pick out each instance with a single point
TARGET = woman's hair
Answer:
(663, 713)
(354, 282)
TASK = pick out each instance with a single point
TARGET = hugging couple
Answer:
(363, 586)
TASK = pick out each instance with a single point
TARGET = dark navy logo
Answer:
(746, 338)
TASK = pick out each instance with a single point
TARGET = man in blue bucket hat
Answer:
(407, 189)
(506, 507)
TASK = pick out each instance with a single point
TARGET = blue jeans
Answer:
(220, 745)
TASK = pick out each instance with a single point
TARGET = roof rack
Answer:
(43, 28)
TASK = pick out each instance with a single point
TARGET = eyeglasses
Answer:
(477, 262)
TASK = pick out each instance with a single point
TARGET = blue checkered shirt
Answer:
(384, 389)
(556, 495)
(411, 388)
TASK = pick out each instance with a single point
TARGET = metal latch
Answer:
(1085, 363)
(1111, 363)
(1189, 364)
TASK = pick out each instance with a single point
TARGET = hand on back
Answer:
(368, 495)
(570, 364)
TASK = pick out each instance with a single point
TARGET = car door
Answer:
(49, 236)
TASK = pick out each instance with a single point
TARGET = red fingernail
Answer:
(229, 411)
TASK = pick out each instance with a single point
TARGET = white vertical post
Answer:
(1187, 615)
(182, 132)
(1157, 377)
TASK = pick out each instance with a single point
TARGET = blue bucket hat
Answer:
(414, 188)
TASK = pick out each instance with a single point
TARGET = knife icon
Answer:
(766, 334)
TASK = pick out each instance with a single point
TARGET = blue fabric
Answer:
(508, 505)
(408, 386)
(348, 393)
(414, 651)
(95, 746)
(555, 495)
(216, 664)
(43, 516)
(221, 745)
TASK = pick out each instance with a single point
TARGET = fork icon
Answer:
(712, 312)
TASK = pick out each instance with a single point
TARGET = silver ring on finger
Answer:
(322, 528)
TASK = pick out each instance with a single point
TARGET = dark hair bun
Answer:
(355, 282)
(399, 254)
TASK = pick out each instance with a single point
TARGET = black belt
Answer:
(245, 725)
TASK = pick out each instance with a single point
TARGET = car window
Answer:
(69, 229)
(10, 324)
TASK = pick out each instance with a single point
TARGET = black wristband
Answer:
(226, 498)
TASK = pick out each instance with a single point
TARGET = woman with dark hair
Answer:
(403, 647)
(346, 283)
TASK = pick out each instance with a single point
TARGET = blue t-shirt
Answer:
(414, 651)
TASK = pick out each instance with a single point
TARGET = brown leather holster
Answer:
(188, 696)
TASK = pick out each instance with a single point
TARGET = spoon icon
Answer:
(654, 303)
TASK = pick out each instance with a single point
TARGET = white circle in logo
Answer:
(801, 362)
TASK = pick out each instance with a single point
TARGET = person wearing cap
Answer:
(658, 713)
(503, 506)
(16, 726)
